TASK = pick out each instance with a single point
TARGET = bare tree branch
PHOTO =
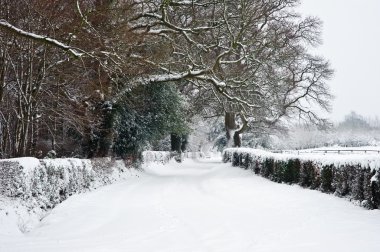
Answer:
(76, 52)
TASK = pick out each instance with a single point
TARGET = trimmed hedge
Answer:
(157, 156)
(358, 183)
(47, 182)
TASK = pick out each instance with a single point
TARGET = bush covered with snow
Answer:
(157, 156)
(356, 177)
(47, 182)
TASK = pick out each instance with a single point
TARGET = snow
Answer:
(51, 41)
(358, 157)
(200, 205)
(16, 218)
(345, 150)
(27, 163)
(374, 177)
(30, 187)
(156, 156)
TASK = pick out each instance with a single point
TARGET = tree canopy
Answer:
(83, 70)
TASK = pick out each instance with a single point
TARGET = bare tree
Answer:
(252, 55)
(249, 57)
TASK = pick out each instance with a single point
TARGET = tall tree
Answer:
(249, 56)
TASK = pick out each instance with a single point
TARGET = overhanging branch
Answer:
(5, 25)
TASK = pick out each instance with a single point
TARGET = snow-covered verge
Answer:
(156, 156)
(163, 157)
(29, 187)
(355, 176)
(47, 182)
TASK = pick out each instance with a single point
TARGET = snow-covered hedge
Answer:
(157, 156)
(164, 157)
(47, 182)
(356, 177)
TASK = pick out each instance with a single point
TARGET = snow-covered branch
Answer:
(76, 52)
(156, 78)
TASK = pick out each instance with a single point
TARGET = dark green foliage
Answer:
(268, 167)
(178, 143)
(257, 166)
(367, 191)
(235, 159)
(220, 143)
(148, 114)
(327, 175)
(361, 187)
(278, 169)
(226, 157)
(353, 181)
(291, 171)
(358, 185)
(309, 176)
(247, 161)
(297, 170)
(375, 190)
(175, 142)
(184, 142)
(340, 182)
(344, 180)
(241, 160)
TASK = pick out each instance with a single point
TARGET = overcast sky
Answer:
(351, 41)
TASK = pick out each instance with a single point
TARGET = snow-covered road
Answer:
(202, 206)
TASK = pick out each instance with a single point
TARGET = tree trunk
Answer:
(176, 142)
(232, 131)
(230, 124)
(106, 135)
(237, 137)
(184, 142)
(89, 143)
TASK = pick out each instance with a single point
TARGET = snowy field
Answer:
(200, 206)
(337, 150)
(344, 150)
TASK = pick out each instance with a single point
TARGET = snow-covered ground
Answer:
(344, 150)
(200, 206)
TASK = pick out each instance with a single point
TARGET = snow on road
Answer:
(202, 206)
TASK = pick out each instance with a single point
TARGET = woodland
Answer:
(97, 78)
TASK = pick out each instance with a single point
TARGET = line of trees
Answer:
(354, 131)
(106, 77)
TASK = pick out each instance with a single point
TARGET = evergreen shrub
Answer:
(360, 184)
(327, 175)
(268, 168)
(235, 159)
(309, 176)
(291, 171)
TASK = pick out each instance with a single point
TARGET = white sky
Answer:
(351, 41)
